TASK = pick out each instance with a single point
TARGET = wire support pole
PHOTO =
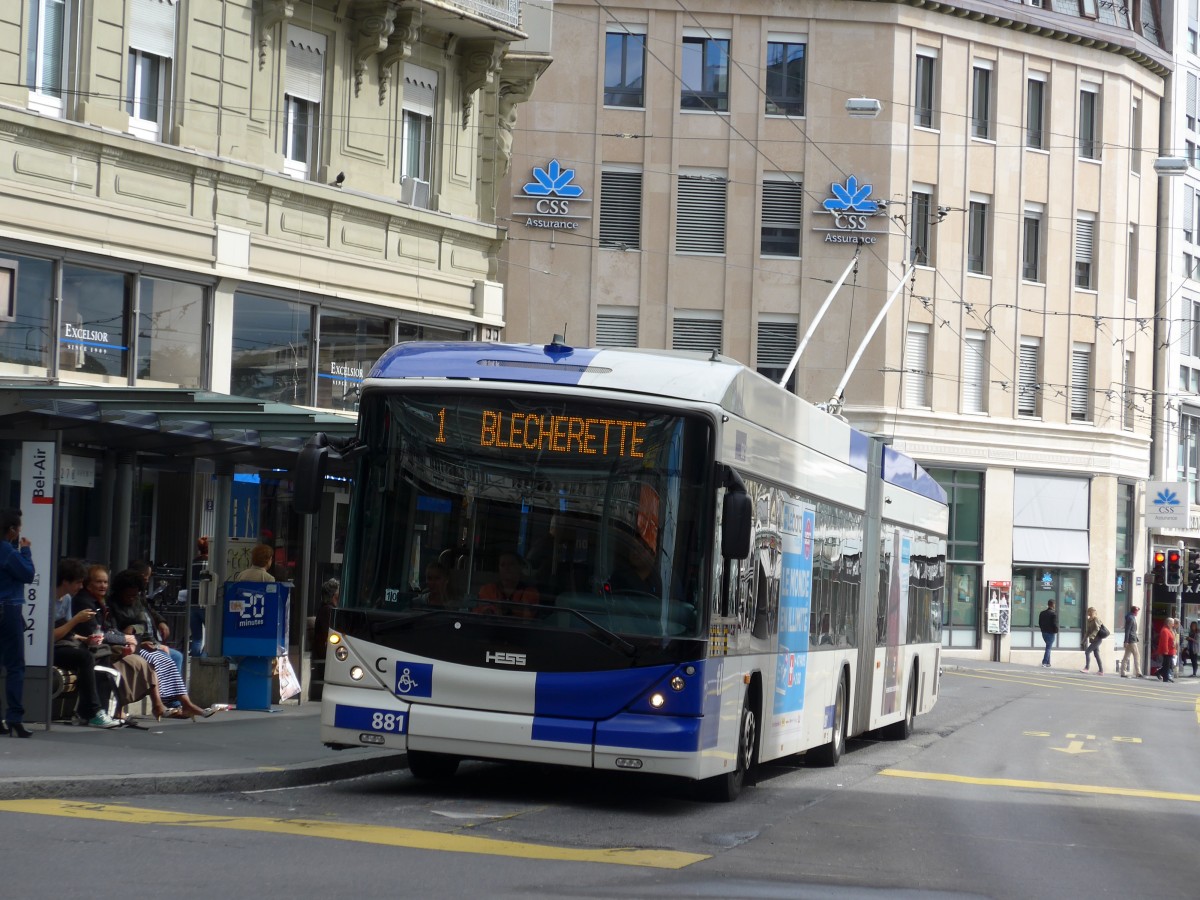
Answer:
(837, 394)
(817, 319)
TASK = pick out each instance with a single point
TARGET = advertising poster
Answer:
(795, 602)
(38, 470)
(999, 608)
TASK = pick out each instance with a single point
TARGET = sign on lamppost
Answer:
(1166, 504)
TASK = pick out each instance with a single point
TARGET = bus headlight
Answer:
(334, 637)
(356, 673)
(657, 700)
(677, 683)
(341, 653)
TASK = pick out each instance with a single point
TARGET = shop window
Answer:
(170, 336)
(272, 342)
(349, 346)
(92, 339)
(25, 339)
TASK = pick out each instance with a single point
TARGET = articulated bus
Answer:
(646, 561)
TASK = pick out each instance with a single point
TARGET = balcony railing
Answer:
(503, 12)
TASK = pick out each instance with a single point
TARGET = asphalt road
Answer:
(1021, 783)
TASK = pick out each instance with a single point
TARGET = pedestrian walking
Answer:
(1094, 631)
(16, 571)
(1191, 651)
(1048, 623)
(1131, 645)
(1167, 648)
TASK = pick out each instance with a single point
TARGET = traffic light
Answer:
(1158, 571)
(1174, 568)
(1193, 566)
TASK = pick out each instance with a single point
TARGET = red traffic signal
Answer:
(1174, 569)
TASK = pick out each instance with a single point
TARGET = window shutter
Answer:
(304, 77)
(52, 47)
(1081, 372)
(616, 329)
(1189, 213)
(973, 372)
(916, 366)
(696, 334)
(621, 210)
(782, 204)
(1027, 379)
(152, 27)
(420, 89)
(1084, 229)
(700, 215)
(776, 344)
(1189, 109)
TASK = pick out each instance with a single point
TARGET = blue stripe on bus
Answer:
(563, 731)
(593, 695)
(673, 733)
(903, 471)
(489, 362)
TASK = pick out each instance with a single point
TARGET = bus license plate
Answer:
(389, 721)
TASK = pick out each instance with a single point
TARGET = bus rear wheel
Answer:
(726, 787)
(431, 766)
(900, 731)
(829, 754)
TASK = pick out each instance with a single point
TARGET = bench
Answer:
(63, 692)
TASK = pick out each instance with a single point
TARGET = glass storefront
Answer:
(170, 338)
(964, 553)
(92, 338)
(1032, 586)
(271, 343)
(26, 340)
(349, 346)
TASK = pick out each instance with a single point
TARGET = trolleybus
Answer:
(633, 560)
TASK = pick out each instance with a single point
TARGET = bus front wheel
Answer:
(726, 787)
(431, 766)
(829, 754)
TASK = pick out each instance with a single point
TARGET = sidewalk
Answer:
(234, 750)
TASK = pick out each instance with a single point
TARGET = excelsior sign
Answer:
(555, 200)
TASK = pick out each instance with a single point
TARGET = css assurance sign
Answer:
(851, 211)
(551, 200)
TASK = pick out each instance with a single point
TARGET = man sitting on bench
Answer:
(71, 652)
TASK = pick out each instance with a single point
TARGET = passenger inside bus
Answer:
(634, 572)
(509, 594)
(437, 588)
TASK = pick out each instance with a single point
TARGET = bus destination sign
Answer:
(566, 434)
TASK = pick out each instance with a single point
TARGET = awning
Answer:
(169, 422)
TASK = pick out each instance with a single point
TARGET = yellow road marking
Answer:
(1165, 694)
(1045, 786)
(1073, 747)
(1010, 678)
(364, 834)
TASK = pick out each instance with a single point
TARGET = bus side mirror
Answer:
(310, 474)
(735, 525)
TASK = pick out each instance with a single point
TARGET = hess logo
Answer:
(502, 658)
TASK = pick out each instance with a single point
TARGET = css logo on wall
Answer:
(554, 201)
(851, 209)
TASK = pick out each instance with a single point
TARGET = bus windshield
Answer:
(546, 510)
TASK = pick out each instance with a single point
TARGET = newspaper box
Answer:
(255, 629)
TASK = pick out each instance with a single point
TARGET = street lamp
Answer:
(863, 107)
(1170, 165)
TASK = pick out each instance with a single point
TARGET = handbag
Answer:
(1103, 632)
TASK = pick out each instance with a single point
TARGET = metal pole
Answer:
(837, 393)
(817, 319)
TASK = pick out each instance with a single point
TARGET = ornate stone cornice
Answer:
(375, 20)
(479, 61)
(518, 77)
(273, 12)
(406, 32)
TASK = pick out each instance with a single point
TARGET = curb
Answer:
(212, 781)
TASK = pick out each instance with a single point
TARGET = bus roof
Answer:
(677, 374)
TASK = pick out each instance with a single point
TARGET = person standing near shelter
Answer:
(1191, 651)
(16, 571)
(260, 560)
(1048, 623)
(1167, 648)
(1131, 645)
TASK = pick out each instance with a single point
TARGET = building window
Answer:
(93, 337)
(916, 366)
(272, 343)
(1128, 395)
(47, 62)
(1085, 229)
(1190, 344)
(621, 210)
(1135, 138)
(920, 226)
(1188, 214)
(1032, 587)
(25, 340)
(170, 334)
(977, 236)
(974, 372)
(151, 50)
(1031, 244)
(1131, 264)
(924, 93)
(964, 556)
(700, 213)
(417, 132)
(1029, 380)
(1089, 124)
(616, 326)
(1192, 99)
(1081, 382)
(778, 337)
(1188, 458)
(705, 73)
(1125, 542)
(1035, 114)
(785, 75)
(981, 101)
(782, 210)
(624, 69)
(304, 88)
(696, 330)
(347, 348)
